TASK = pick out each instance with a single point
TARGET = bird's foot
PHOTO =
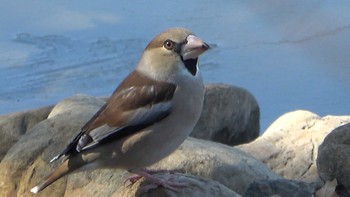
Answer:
(167, 183)
(133, 179)
(167, 180)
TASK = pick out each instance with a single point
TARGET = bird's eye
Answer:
(168, 44)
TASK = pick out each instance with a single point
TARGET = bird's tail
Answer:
(73, 163)
(59, 172)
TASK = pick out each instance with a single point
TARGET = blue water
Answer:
(289, 54)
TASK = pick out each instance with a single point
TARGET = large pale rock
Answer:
(197, 187)
(227, 165)
(230, 115)
(290, 145)
(13, 126)
(333, 160)
(217, 165)
(222, 164)
(27, 161)
(111, 183)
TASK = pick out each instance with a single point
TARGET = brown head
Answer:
(172, 51)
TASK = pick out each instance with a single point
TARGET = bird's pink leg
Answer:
(167, 182)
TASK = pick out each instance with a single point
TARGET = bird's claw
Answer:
(167, 183)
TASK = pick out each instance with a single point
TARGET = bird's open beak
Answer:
(193, 47)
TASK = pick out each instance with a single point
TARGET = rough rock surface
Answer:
(47, 137)
(27, 161)
(290, 145)
(13, 126)
(197, 187)
(334, 159)
(279, 187)
(227, 165)
(230, 115)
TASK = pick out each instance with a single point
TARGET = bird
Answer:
(147, 117)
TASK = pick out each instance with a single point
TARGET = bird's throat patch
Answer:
(191, 65)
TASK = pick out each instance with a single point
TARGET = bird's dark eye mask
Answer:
(190, 64)
(176, 47)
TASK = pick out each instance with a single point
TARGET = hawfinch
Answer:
(147, 117)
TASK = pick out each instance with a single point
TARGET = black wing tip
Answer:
(70, 149)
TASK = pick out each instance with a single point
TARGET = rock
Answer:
(279, 187)
(289, 146)
(74, 105)
(328, 189)
(13, 126)
(227, 165)
(111, 183)
(230, 115)
(197, 187)
(27, 161)
(33, 150)
(334, 158)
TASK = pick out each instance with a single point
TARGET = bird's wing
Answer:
(131, 108)
(135, 107)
